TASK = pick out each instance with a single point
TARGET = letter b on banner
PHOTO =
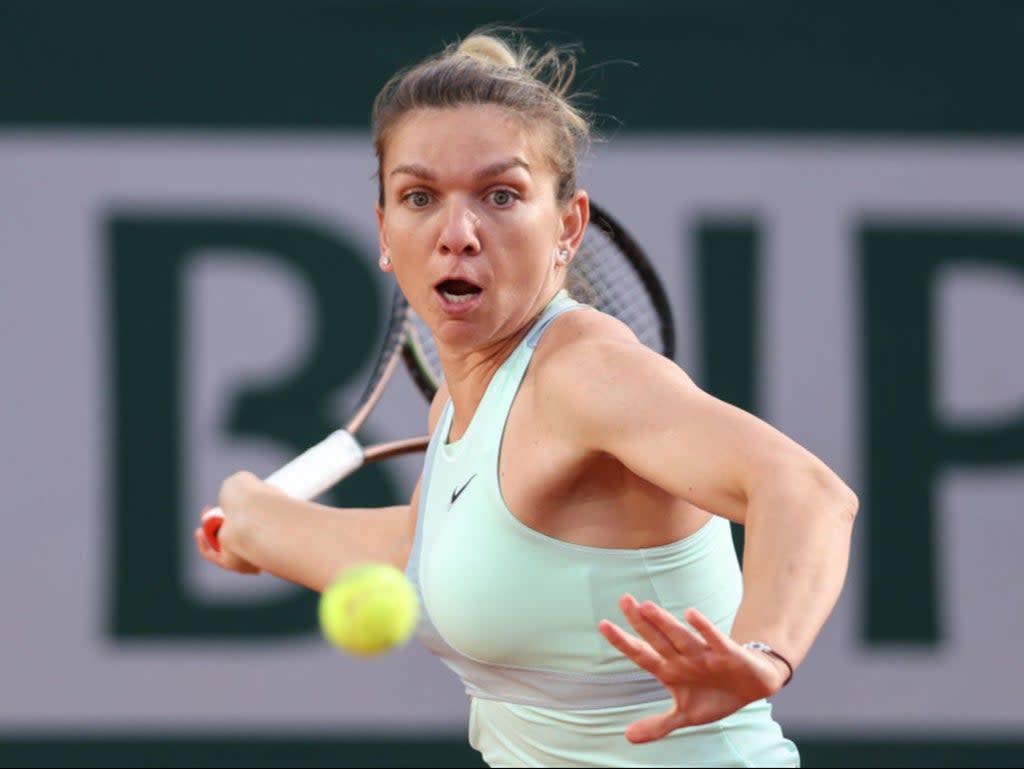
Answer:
(149, 256)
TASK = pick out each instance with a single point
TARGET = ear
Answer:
(574, 223)
(382, 237)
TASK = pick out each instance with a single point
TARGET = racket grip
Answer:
(308, 475)
(211, 523)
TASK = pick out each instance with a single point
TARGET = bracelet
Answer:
(761, 646)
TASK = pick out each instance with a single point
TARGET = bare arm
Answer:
(306, 542)
(797, 514)
(616, 396)
(303, 542)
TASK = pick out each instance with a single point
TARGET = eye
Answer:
(417, 198)
(503, 197)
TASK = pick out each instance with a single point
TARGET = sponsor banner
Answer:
(179, 306)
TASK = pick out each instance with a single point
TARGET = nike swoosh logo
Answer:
(458, 492)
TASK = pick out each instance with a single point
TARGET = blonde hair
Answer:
(494, 66)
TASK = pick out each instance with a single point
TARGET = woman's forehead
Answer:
(481, 133)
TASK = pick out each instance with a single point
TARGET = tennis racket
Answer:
(610, 272)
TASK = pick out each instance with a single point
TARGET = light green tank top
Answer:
(514, 612)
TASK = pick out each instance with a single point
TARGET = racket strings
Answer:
(421, 356)
(603, 276)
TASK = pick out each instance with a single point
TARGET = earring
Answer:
(563, 256)
(384, 261)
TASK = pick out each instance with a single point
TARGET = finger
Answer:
(681, 638)
(644, 620)
(224, 560)
(203, 545)
(640, 652)
(712, 635)
(640, 621)
(654, 727)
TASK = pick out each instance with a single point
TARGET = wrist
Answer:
(764, 648)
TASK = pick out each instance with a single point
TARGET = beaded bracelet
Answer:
(761, 646)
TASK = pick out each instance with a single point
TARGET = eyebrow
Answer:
(487, 172)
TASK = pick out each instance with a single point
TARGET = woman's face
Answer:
(470, 221)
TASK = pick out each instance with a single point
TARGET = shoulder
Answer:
(590, 367)
(588, 342)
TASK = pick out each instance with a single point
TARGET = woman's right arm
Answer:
(303, 542)
(306, 542)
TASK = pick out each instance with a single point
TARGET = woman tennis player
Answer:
(569, 534)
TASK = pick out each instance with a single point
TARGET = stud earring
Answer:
(384, 262)
(563, 256)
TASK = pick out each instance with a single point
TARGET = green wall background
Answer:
(678, 65)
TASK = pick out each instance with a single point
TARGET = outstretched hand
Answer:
(708, 674)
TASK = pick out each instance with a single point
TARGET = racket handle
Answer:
(308, 475)
(211, 521)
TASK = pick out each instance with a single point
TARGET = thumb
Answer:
(654, 727)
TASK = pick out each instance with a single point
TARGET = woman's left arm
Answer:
(797, 513)
(798, 522)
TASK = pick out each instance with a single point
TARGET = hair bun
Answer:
(488, 49)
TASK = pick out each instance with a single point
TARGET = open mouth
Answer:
(457, 291)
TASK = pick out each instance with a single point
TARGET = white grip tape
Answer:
(315, 470)
(319, 467)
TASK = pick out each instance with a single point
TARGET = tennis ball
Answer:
(368, 609)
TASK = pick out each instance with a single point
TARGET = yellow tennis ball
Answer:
(369, 609)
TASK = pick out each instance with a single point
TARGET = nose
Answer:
(460, 230)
